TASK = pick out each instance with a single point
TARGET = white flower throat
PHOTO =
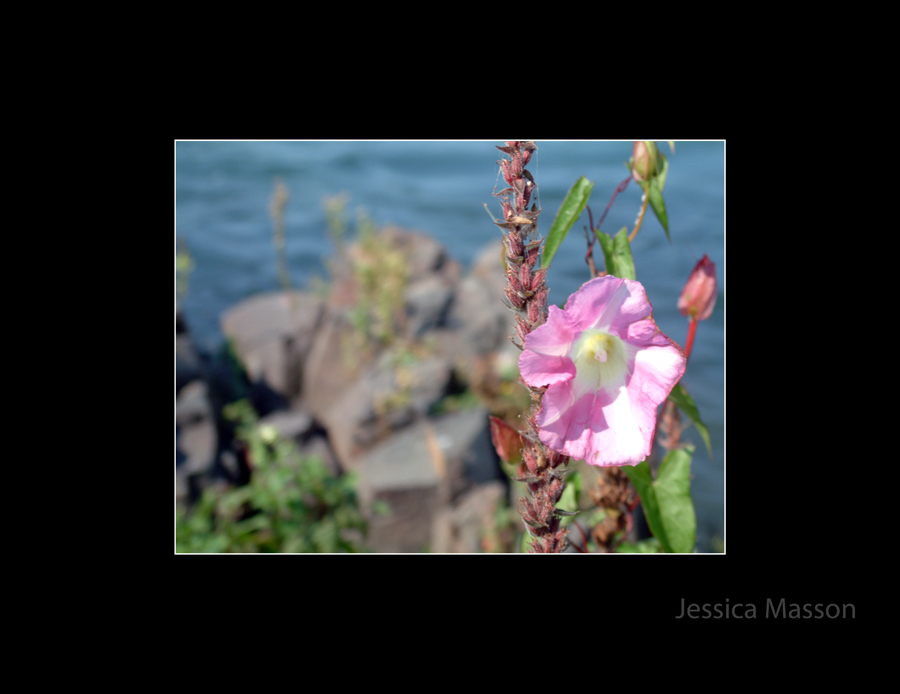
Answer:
(599, 360)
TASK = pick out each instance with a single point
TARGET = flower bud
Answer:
(699, 294)
(644, 154)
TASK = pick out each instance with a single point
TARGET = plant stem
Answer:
(640, 219)
(689, 344)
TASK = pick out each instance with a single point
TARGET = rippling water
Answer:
(222, 193)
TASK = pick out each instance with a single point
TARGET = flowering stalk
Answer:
(526, 294)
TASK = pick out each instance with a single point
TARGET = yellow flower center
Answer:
(599, 360)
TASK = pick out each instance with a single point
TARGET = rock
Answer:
(196, 440)
(387, 397)
(290, 424)
(332, 366)
(424, 254)
(192, 403)
(462, 528)
(478, 324)
(198, 443)
(427, 303)
(419, 471)
(272, 335)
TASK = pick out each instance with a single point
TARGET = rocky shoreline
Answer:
(367, 376)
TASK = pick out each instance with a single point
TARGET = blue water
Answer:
(222, 193)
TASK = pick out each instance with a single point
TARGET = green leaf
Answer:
(673, 494)
(569, 211)
(653, 189)
(663, 172)
(667, 500)
(648, 546)
(684, 403)
(617, 252)
(569, 499)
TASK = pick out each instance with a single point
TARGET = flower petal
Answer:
(563, 419)
(544, 359)
(599, 427)
(658, 366)
(617, 436)
(554, 337)
(540, 370)
(609, 303)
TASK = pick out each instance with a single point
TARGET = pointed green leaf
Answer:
(663, 172)
(651, 188)
(617, 253)
(667, 499)
(569, 211)
(685, 403)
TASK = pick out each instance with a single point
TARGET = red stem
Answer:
(688, 346)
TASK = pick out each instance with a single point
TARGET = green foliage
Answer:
(617, 252)
(667, 499)
(570, 498)
(291, 504)
(569, 211)
(381, 274)
(649, 546)
(335, 207)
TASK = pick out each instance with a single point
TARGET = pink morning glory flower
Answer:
(607, 367)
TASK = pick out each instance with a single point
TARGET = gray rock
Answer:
(198, 442)
(461, 528)
(331, 367)
(424, 254)
(290, 424)
(272, 335)
(192, 404)
(385, 398)
(419, 471)
(196, 439)
(427, 303)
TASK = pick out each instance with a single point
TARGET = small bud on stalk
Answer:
(699, 294)
(645, 158)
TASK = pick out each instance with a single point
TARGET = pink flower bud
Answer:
(699, 294)
(644, 154)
